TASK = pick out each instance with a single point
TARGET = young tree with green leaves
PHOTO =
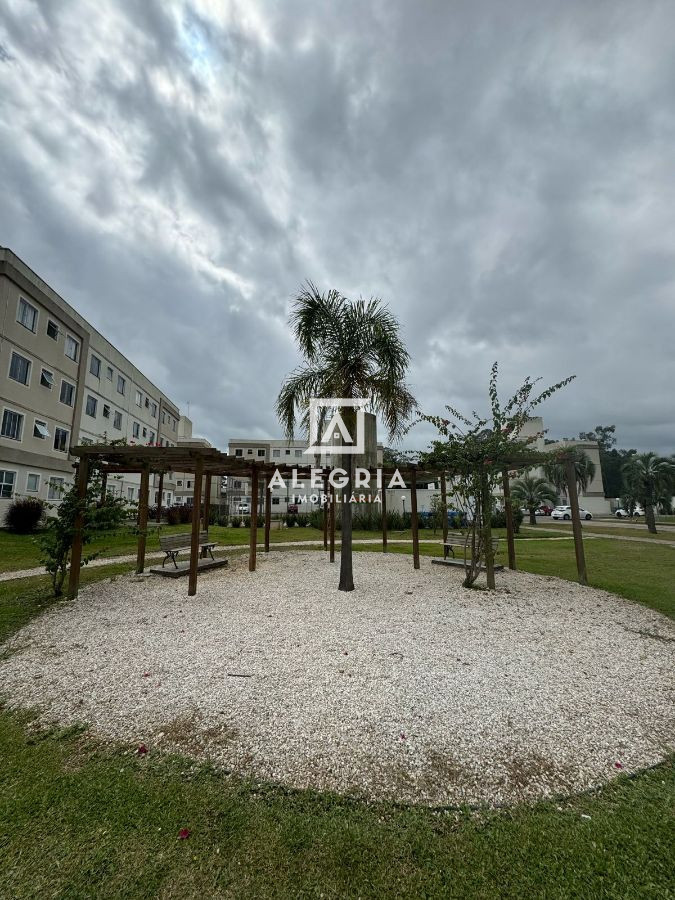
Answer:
(532, 491)
(649, 478)
(584, 470)
(351, 350)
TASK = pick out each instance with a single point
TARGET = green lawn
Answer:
(624, 530)
(79, 820)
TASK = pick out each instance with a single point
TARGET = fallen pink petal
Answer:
(183, 834)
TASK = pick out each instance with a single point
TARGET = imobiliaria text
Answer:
(338, 478)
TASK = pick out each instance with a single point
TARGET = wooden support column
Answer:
(326, 512)
(508, 511)
(487, 532)
(332, 522)
(268, 513)
(414, 523)
(194, 543)
(207, 501)
(76, 549)
(571, 477)
(104, 485)
(142, 519)
(159, 497)
(253, 536)
(444, 506)
(384, 516)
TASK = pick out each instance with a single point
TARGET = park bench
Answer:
(459, 540)
(172, 544)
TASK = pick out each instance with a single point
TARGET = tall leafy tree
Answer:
(584, 470)
(649, 478)
(531, 491)
(351, 350)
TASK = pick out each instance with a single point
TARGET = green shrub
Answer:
(315, 519)
(235, 522)
(291, 520)
(24, 515)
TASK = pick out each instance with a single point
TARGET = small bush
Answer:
(290, 520)
(315, 519)
(24, 515)
(235, 522)
(246, 522)
(179, 515)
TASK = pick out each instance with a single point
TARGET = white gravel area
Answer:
(411, 687)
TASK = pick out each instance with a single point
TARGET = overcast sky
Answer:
(500, 173)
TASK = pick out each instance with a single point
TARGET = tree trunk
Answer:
(346, 571)
(533, 516)
(650, 518)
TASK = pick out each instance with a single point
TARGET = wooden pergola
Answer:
(206, 462)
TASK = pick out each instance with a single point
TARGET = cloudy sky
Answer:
(500, 173)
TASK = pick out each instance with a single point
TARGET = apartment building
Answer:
(185, 481)
(62, 383)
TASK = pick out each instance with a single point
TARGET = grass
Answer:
(85, 821)
(623, 530)
(78, 819)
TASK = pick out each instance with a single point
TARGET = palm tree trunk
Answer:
(346, 570)
(650, 518)
(533, 516)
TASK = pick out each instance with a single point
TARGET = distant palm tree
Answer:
(648, 478)
(584, 470)
(532, 492)
(352, 349)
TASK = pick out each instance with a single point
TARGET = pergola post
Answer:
(104, 485)
(207, 501)
(76, 549)
(194, 543)
(571, 477)
(413, 522)
(142, 519)
(384, 517)
(487, 531)
(326, 512)
(253, 536)
(508, 512)
(332, 523)
(160, 488)
(444, 506)
(268, 513)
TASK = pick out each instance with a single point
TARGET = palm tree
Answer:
(649, 477)
(532, 492)
(351, 350)
(584, 470)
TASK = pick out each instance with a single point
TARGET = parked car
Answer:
(244, 509)
(545, 510)
(565, 512)
(624, 514)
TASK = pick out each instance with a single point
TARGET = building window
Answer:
(147, 403)
(288, 453)
(95, 366)
(19, 368)
(179, 484)
(67, 393)
(27, 315)
(152, 437)
(72, 348)
(60, 439)
(139, 398)
(121, 385)
(261, 452)
(47, 379)
(298, 452)
(145, 432)
(238, 452)
(52, 329)
(6, 483)
(40, 430)
(275, 501)
(189, 484)
(238, 485)
(130, 493)
(55, 488)
(106, 411)
(109, 373)
(33, 482)
(12, 425)
(117, 421)
(249, 452)
(90, 408)
(136, 430)
(276, 453)
(153, 410)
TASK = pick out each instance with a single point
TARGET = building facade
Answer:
(62, 383)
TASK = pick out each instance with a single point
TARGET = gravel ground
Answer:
(410, 688)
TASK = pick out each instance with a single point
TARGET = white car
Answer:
(244, 509)
(565, 512)
(624, 514)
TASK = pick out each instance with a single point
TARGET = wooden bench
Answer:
(172, 544)
(459, 540)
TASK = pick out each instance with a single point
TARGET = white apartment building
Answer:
(62, 383)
